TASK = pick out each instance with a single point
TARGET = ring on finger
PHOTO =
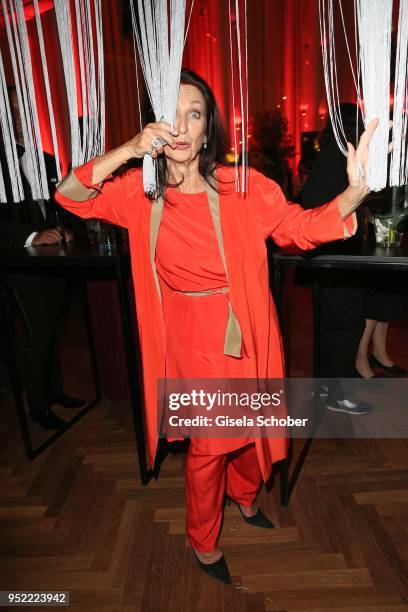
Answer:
(157, 142)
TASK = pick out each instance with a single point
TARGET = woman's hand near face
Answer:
(142, 142)
(357, 160)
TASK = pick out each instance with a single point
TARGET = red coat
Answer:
(246, 222)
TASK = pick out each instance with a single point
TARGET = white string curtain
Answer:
(329, 71)
(9, 143)
(17, 38)
(47, 87)
(92, 81)
(373, 25)
(399, 158)
(86, 142)
(160, 41)
(374, 19)
(239, 81)
(88, 139)
(99, 140)
(63, 16)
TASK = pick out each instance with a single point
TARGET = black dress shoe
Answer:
(393, 370)
(258, 520)
(48, 420)
(358, 375)
(218, 570)
(65, 400)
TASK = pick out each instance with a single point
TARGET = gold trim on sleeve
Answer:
(346, 232)
(72, 188)
(233, 334)
(155, 219)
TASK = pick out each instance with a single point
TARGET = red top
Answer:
(188, 259)
(187, 253)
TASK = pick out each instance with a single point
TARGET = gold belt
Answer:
(233, 334)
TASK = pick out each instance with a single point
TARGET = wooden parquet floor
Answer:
(77, 519)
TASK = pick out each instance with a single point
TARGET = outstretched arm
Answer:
(290, 225)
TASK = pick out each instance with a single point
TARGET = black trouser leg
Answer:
(342, 325)
(5, 382)
(40, 300)
(57, 295)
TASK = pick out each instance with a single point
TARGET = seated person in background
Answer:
(346, 301)
(341, 296)
(40, 298)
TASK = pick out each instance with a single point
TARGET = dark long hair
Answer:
(352, 123)
(213, 155)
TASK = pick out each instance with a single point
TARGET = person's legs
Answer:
(34, 307)
(56, 290)
(380, 343)
(206, 479)
(362, 365)
(384, 302)
(205, 492)
(341, 327)
(244, 478)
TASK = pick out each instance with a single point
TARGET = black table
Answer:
(352, 254)
(86, 261)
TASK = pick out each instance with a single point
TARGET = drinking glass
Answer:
(107, 240)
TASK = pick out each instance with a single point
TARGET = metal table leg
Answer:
(287, 483)
(5, 326)
(277, 290)
(316, 367)
(316, 329)
(132, 369)
(91, 345)
(11, 362)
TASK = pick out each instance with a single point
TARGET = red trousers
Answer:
(208, 478)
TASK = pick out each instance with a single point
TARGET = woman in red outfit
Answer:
(200, 275)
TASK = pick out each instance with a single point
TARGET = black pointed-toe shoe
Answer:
(358, 375)
(218, 570)
(258, 520)
(66, 401)
(393, 370)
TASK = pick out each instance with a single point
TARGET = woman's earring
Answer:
(205, 143)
